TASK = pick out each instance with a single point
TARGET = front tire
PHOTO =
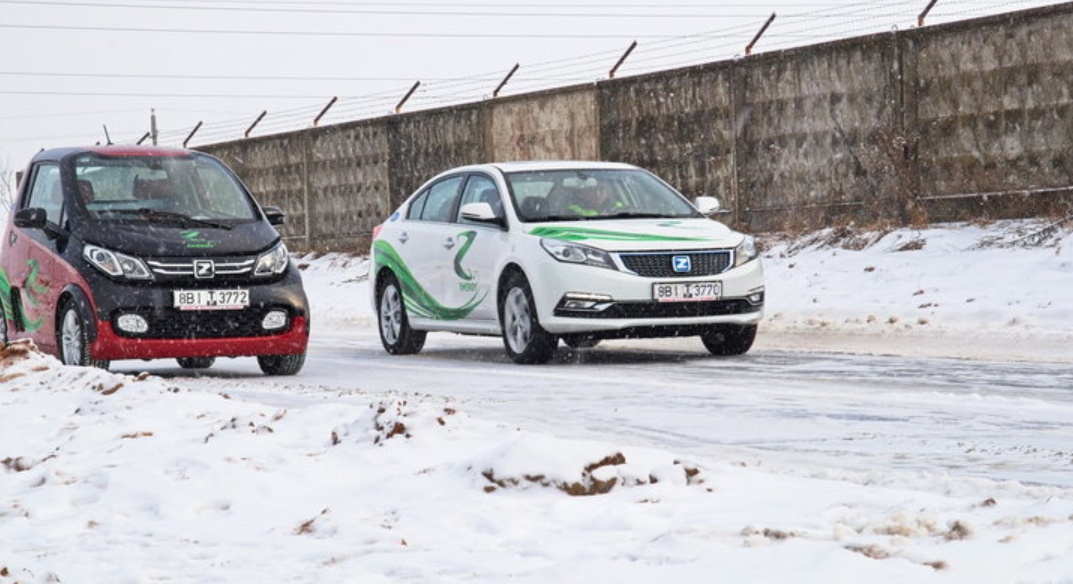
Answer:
(73, 337)
(396, 334)
(196, 362)
(729, 339)
(281, 364)
(525, 340)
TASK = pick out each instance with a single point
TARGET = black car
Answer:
(142, 252)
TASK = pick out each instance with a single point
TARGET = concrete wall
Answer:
(954, 122)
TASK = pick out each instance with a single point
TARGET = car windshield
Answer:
(161, 189)
(575, 195)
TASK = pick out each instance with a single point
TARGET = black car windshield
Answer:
(576, 195)
(161, 189)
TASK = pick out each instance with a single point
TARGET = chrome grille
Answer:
(183, 268)
(661, 265)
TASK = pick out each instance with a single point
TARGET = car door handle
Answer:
(449, 242)
(403, 238)
(12, 238)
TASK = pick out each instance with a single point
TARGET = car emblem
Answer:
(204, 269)
(681, 264)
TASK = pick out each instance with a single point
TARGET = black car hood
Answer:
(144, 239)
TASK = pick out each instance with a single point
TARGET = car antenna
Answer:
(107, 138)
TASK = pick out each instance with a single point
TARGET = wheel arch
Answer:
(73, 293)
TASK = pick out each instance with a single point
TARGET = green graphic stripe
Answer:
(5, 299)
(469, 236)
(583, 233)
(418, 301)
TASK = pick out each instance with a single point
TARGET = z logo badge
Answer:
(204, 269)
(681, 264)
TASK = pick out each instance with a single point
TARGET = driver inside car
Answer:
(594, 200)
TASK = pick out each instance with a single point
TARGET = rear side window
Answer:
(441, 200)
(46, 191)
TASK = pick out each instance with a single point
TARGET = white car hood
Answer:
(641, 234)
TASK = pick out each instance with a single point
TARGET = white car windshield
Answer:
(160, 189)
(574, 195)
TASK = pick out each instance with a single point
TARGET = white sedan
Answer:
(579, 251)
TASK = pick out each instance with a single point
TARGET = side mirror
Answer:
(32, 218)
(481, 212)
(707, 205)
(275, 215)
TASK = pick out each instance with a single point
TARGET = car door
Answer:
(470, 283)
(31, 257)
(425, 243)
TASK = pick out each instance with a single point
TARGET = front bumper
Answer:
(626, 309)
(176, 333)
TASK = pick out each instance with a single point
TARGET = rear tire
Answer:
(395, 332)
(729, 339)
(525, 340)
(281, 364)
(196, 362)
(73, 337)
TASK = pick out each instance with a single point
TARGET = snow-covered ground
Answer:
(107, 477)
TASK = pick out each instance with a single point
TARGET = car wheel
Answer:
(729, 339)
(281, 364)
(580, 341)
(523, 337)
(395, 332)
(196, 362)
(74, 338)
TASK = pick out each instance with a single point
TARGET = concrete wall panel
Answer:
(549, 126)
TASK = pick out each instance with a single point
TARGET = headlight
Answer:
(116, 264)
(745, 252)
(273, 262)
(573, 253)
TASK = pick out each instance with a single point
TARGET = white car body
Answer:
(451, 267)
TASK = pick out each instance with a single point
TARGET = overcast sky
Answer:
(71, 68)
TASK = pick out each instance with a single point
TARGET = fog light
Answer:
(755, 298)
(583, 301)
(275, 319)
(132, 323)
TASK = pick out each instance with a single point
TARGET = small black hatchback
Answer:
(142, 252)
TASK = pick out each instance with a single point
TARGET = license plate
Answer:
(211, 299)
(687, 291)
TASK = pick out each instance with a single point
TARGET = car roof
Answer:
(532, 165)
(111, 150)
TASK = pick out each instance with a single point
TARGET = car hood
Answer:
(641, 234)
(145, 239)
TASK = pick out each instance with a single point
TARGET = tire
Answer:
(395, 332)
(729, 339)
(580, 341)
(525, 340)
(73, 337)
(196, 362)
(281, 364)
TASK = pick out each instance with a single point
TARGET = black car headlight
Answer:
(272, 262)
(574, 253)
(746, 251)
(116, 264)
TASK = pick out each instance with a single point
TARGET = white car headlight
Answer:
(116, 264)
(746, 251)
(272, 262)
(573, 253)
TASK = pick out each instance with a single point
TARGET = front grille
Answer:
(170, 323)
(224, 268)
(661, 264)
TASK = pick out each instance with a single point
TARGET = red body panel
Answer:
(110, 346)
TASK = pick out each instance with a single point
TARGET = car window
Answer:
(480, 189)
(442, 196)
(418, 205)
(46, 191)
(564, 195)
(196, 186)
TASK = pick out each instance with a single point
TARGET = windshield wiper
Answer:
(633, 215)
(157, 214)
